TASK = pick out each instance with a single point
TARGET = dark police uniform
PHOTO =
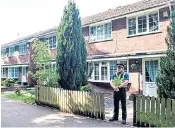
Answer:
(120, 95)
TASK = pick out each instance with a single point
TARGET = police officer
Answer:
(119, 83)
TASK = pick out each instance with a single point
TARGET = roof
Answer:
(123, 10)
(37, 34)
(119, 11)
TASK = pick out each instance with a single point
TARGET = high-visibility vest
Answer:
(119, 79)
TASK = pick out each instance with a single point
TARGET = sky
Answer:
(19, 18)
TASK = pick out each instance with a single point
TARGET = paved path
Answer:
(17, 114)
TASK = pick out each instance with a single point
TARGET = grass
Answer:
(21, 97)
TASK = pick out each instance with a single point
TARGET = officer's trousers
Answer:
(120, 96)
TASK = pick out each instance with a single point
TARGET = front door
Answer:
(24, 74)
(150, 69)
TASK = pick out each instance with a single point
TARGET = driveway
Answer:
(17, 114)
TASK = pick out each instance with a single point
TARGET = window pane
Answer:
(153, 22)
(92, 33)
(89, 69)
(54, 42)
(108, 31)
(113, 68)
(16, 72)
(104, 73)
(22, 49)
(100, 32)
(132, 26)
(151, 68)
(50, 42)
(3, 52)
(142, 24)
(96, 73)
(11, 51)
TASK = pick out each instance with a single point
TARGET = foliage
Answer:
(44, 74)
(85, 88)
(21, 97)
(166, 76)
(17, 91)
(9, 82)
(71, 50)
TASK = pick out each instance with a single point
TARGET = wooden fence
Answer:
(77, 102)
(153, 112)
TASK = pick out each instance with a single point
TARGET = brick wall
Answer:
(121, 43)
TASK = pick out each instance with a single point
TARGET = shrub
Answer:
(18, 91)
(9, 82)
(85, 88)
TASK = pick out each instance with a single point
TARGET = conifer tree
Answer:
(71, 49)
(166, 75)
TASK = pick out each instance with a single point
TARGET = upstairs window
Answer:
(52, 42)
(22, 49)
(100, 32)
(143, 24)
(3, 52)
(11, 51)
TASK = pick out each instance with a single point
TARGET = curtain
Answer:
(152, 68)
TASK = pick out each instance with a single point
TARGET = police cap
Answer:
(120, 65)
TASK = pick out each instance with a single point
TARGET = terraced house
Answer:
(131, 34)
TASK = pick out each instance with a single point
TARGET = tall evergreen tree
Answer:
(71, 49)
(166, 75)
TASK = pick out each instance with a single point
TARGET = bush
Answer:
(85, 88)
(18, 91)
(9, 82)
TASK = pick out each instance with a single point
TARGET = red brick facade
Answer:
(121, 43)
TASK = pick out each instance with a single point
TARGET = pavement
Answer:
(18, 114)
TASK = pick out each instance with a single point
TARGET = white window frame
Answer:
(108, 70)
(51, 44)
(22, 49)
(103, 24)
(147, 20)
(13, 72)
(10, 54)
(3, 72)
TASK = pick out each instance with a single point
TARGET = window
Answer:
(51, 41)
(113, 68)
(104, 71)
(151, 68)
(13, 72)
(107, 31)
(100, 32)
(3, 73)
(92, 33)
(153, 22)
(11, 51)
(96, 71)
(22, 49)
(3, 52)
(132, 26)
(90, 66)
(143, 24)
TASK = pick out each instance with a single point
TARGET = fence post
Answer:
(134, 110)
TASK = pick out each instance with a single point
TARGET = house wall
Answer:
(121, 43)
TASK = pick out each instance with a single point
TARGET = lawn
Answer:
(21, 97)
